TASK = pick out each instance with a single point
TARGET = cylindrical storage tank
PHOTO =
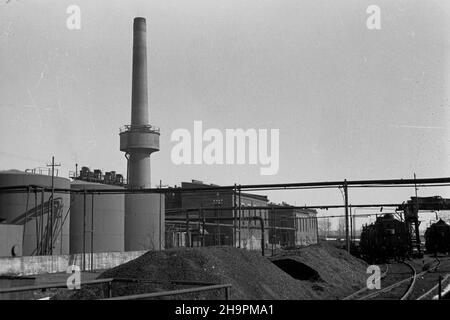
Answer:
(144, 221)
(42, 235)
(106, 211)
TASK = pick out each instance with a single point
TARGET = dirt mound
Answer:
(340, 273)
(251, 275)
(323, 272)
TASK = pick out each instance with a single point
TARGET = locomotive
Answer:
(387, 238)
(437, 238)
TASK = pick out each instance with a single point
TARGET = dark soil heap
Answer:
(340, 273)
(251, 275)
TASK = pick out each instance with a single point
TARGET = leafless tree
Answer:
(324, 226)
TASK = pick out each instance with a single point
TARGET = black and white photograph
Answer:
(218, 158)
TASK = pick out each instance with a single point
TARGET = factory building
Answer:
(97, 222)
(43, 214)
(285, 225)
(249, 236)
(222, 225)
(292, 226)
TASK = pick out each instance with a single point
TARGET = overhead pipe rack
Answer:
(424, 182)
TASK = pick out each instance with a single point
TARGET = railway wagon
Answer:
(437, 238)
(387, 238)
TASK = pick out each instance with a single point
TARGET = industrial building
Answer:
(223, 226)
(225, 218)
(94, 221)
(293, 226)
(72, 220)
(95, 212)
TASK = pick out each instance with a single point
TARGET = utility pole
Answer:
(235, 220)
(347, 234)
(217, 203)
(53, 165)
(351, 225)
(415, 185)
(416, 216)
(160, 214)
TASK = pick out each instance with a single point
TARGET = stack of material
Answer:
(251, 275)
(340, 273)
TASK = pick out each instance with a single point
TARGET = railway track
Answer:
(360, 292)
(427, 287)
(400, 281)
(433, 292)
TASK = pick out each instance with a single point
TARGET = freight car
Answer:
(437, 238)
(387, 238)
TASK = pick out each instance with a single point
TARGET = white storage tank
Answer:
(108, 219)
(41, 234)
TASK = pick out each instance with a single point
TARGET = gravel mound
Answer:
(251, 275)
(341, 273)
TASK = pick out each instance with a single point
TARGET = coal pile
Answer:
(340, 273)
(251, 275)
(331, 274)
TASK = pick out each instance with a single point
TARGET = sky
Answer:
(349, 102)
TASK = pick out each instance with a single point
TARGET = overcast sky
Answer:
(349, 102)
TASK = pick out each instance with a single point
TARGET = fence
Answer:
(109, 289)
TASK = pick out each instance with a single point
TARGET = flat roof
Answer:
(199, 184)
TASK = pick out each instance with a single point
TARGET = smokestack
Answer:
(144, 213)
(139, 95)
(139, 139)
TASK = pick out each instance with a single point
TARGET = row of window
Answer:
(305, 224)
